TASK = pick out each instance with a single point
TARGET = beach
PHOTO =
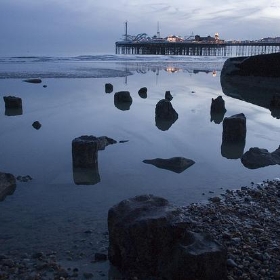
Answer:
(53, 219)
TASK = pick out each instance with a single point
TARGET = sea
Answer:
(54, 207)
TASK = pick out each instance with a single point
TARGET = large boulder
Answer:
(264, 65)
(256, 158)
(175, 164)
(165, 114)
(7, 185)
(234, 128)
(148, 237)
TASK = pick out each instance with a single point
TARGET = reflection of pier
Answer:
(196, 48)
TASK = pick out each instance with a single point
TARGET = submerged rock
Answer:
(108, 88)
(33, 81)
(175, 164)
(165, 115)
(122, 100)
(143, 92)
(150, 237)
(256, 158)
(7, 185)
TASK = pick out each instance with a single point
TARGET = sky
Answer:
(72, 27)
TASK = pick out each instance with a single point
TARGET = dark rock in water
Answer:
(175, 164)
(85, 148)
(24, 179)
(44, 86)
(168, 95)
(165, 115)
(256, 158)
(122, 100)
(264, 65)
(218, 109)
(7, 185)
(33, 81)
(218, 105)
(36, 125)
(275, 101)
(85, 158)
(148, 237)
(12, 102)
(143, 92)
(234, 128)
(108, 88)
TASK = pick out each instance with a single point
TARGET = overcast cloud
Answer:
(71, 27)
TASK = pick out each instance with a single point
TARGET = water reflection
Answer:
(259, 91)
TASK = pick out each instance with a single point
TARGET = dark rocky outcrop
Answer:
(217, 109)
(7, 185)
(175, 164)
(256, 158)
(33, 80)
(234, 128)
(232, 150)
(148, 237)
(143, 92)
(168, 95)
(264, 65)
(109, 88)
(123, 100)
(165, 115)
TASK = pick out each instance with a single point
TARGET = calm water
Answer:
(51, 209)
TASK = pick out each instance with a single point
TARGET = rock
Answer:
(143, 92)
(85, 151)
(218, 109)
(12, 102)
(85, 158)
(232, 150)
(165, 115)
(36, 125)
(256, 158)
(108, 88)
(168, 95)
(175, 164)
(265, 65)
(149, 237)
(122, 100)
(234, 128)
(33, 81)
(7, 185)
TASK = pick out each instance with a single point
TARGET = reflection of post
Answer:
(85, 160)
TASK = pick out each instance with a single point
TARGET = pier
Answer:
(154, 47)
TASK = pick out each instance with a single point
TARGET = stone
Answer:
(149, 237)
(143, 92)
(234, 128)
(108, 88)
(33, 80)
(123, 100)
(36, 125)
(217, 109)
(12, 102)
(256, 158)
(264, 65)
(165, 115)
(175, 164)
(7, 185)
(168, 95)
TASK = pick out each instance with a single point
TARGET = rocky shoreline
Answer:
(246, 221)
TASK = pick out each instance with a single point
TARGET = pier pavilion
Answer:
(196, 48)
